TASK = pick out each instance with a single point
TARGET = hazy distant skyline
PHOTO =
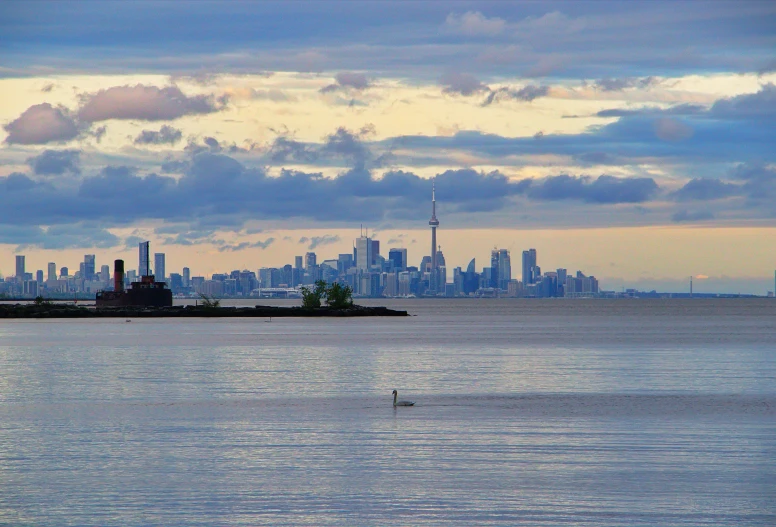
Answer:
(632, 140)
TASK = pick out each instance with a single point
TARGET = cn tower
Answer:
(433, 223)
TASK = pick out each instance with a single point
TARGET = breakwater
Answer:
(71, 311)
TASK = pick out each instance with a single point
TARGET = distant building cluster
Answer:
(365, 270)
(56, 282)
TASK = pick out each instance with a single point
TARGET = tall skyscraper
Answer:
(105, 274)
(375, 251)
(186, 277)
(298, 262)
(159, 267)
(494, 267)
(39, 276)
(529, 265)
(433, 223)
(441, 271)
(345, 262)
(502, 268)
(64, 272)
(52, 271)
(440, 257)
(364, 253)
(20, 268)
(143, 268)
(311, 260)
(89, 267)
(399, 259)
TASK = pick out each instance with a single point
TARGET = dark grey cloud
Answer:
(471, 190)
(166, 135)
(753, 172)
(759, 181)
(603, 189)
(284, 149)
(214, 146)
(703, 189)
(597, 158)
(247, 245)
(326, 239)
(619, 84)
(768, 67)
(348, 144)
(77, 235)
(208, 144)
(19, 234)
(186, 234)
(684, 216)
(41, 124)
(15, 182)
(117, 193)
(55, 162)
(348, 80)
(174, 166)
(759, 106)
(679, 109)
(147, 103)
(462, 84)
(98, 133)
(359, 81)
(131, 242)
(216, 191)
(527, 93)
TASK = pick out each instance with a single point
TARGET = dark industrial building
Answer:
(147, 293)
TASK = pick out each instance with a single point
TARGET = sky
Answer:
(631, 140)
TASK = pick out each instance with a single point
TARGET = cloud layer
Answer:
(545, 114)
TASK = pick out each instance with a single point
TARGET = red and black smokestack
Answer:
(118, 276)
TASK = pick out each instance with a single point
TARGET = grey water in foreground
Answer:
(527, 413)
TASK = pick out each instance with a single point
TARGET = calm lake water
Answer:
(528, 412)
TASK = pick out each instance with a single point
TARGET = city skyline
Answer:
(365, 270)
(631, 140)
(270, 258)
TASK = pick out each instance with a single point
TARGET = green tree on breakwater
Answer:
(337, 296)
(209, 302)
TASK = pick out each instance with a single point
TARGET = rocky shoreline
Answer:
(71, 311)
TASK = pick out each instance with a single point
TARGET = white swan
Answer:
(401, 403)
